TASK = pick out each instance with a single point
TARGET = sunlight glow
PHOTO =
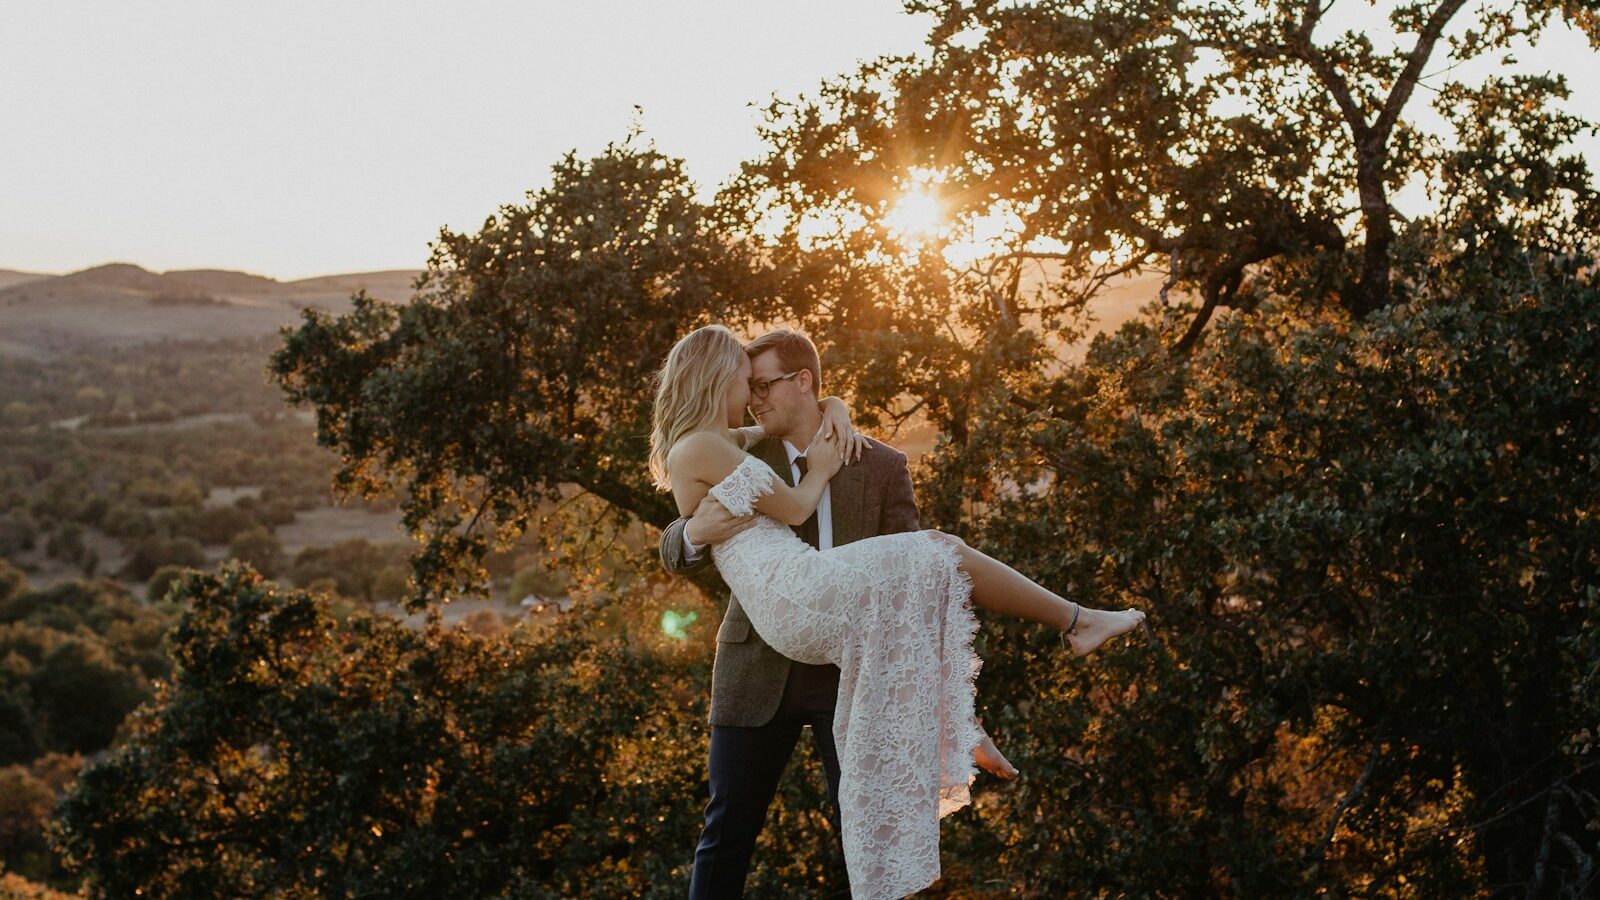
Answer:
(822, 227)
(918, 215)
(985, 235)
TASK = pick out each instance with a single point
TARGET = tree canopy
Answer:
(1358, 502)
(524, 362)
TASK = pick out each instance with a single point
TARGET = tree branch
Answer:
(901, 418)
(1192, 335)
(1345, 804)
(1301, 48)
(1172, 278)
(1552, 815)
(1419, 56)
(1218, 290)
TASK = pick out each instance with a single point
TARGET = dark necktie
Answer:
(809, 531)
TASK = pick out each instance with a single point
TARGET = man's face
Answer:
(786, 402)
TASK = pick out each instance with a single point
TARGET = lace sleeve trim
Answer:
(749, 481)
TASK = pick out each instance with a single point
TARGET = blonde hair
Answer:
(691, 390)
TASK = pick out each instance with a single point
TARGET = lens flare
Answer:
(675, 625)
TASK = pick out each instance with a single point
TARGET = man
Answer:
(761, 700)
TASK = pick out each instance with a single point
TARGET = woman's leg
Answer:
(999, 588)
(991, 760)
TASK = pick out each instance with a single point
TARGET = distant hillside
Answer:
(8, 277)
(123, 276)
(396, 281)
(221, 281)
(121, 303)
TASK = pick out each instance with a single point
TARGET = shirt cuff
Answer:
(691, 552)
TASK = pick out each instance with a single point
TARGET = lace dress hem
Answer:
(954, 797)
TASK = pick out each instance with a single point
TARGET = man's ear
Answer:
(805, 383)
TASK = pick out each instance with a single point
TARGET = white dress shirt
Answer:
(692, 552)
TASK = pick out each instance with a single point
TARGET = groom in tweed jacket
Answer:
(760, 699)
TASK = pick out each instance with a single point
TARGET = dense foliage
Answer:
(147, 489)
(290, 756)
(1377, 587)
(1359, 502)
(75, 660)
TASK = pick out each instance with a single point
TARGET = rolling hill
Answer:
(118, 304)
(9, 277)
(121, 303)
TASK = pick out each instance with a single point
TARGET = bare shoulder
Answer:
(702, 456)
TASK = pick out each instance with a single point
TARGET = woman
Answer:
(893, 612)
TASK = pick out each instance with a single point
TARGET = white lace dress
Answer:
(894, 613)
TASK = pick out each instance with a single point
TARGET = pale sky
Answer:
(295, 138)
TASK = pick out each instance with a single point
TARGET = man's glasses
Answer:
(760, 388)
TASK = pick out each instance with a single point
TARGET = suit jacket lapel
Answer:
(770, 451)
(847, 496)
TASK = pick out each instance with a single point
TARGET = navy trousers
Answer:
(746, 766)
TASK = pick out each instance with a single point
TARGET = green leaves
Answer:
(1385, 524)
(291, 756)
(524, 361)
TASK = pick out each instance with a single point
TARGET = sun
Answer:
(916, 215)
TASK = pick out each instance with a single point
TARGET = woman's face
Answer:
(739, 393)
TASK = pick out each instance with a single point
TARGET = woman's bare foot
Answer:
(991, 760)
(1096, 626)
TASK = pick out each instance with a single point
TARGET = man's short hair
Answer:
(795, 352)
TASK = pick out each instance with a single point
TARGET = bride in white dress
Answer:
(893, 612)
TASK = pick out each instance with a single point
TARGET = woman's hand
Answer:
(836, 423)
(823, 456)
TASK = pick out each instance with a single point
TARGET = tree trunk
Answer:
(1371, 290)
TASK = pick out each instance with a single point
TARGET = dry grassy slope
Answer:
(9, 277)
(389, 285)
(221, 281)
(129, 277)
(121, 303)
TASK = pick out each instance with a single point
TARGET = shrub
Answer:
(17, 533)
(381, 761)
(537, 580)
(27, 797)
(13, 580)
(75, 658)
(352, 565)
(259, 548)
(147, 554)
(161, 581)
(220, 524)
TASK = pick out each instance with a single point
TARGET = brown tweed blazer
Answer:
(870, 496)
